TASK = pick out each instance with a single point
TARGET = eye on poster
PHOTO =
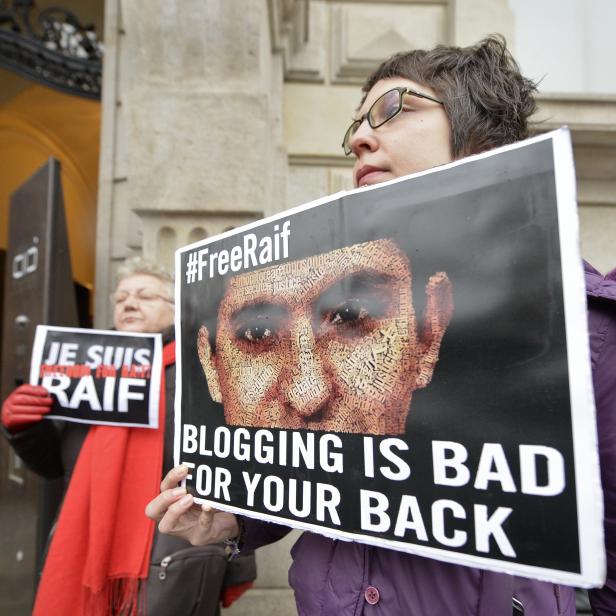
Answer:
(97, 376)
(404, 365)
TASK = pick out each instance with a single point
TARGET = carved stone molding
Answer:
(406, 2)
(288, 25)
(363, 35)
(297, 30)
(164, 231)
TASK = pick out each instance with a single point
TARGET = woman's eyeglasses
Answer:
(141, 296)
(384, 108)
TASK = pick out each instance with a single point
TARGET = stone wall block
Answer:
(316, 117)
(192, 124)
(597, 233)
(306, 60)
(340, 179)
(306, 184)
(201, 166)
(191, 41)
(601, 192)
(166, 245)
(596, 163)
(164, 231)
(362, 35)
(196, 234)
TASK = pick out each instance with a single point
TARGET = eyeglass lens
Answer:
(385, 108)
(382, 110)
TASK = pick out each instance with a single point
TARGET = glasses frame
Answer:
(355, 124)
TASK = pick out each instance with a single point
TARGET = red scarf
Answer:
(101, 547)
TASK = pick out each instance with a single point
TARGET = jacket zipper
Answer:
(164, 563)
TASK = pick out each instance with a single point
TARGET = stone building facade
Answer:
(218, 113)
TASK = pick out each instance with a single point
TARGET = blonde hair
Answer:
(138, 265)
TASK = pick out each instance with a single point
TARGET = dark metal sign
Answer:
(38, 281)
(38, 288)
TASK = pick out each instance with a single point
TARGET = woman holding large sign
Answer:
(420, 110)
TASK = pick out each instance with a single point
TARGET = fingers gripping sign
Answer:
(177, 513)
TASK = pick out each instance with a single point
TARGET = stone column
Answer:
(192, 126)
(192, 145)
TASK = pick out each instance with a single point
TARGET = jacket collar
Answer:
(598, 285)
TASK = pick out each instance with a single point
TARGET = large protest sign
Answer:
(404, 365)
(97, 376)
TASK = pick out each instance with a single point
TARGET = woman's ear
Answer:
(208, 363)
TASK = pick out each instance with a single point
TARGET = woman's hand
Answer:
(25, 406)
(178, 515)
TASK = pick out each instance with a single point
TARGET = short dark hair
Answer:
(486, 98)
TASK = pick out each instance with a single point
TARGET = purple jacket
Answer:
(337, 578)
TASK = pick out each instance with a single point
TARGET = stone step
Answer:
(271, 595)
(263, 602)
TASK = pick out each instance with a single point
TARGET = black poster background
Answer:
(140, 413)
(492, 225)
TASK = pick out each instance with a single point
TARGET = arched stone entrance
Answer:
(38, 123)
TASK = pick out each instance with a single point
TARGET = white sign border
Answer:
(155, 374)
(589, 505)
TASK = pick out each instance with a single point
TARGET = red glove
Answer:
(25, 406)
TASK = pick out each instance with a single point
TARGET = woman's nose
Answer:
(364, 138)
(130, 303)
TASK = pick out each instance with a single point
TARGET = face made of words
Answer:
(329, 342)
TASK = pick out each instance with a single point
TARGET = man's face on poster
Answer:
(329, 342)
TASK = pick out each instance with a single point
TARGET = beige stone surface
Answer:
(165, 230)
(199, 168)
(596, 164)
(363, 34)
(192, 118)
(597, 192)
(316, 117)
(271, 595)
(598, 235)
(596, 113)
(471, 20)
(308, 182)
(107, 163)
(305, 57)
